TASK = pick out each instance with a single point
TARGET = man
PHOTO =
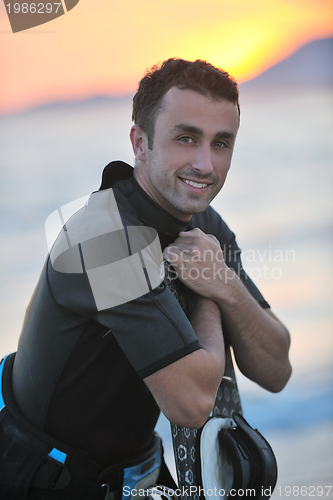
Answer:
(90, 375)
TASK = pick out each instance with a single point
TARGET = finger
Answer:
(188, 239)
(180, 247)
(212, 237)
(194, 231)
(172, 254)
(184, 247)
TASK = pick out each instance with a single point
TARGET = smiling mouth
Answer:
(199, 185)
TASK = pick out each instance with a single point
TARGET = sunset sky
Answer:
(103, 46)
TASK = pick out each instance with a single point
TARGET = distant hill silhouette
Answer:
(98, 100)
(311, 64)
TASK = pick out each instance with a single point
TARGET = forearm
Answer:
(185, 390)
(206, 322)
(259, 340)
(208, 370)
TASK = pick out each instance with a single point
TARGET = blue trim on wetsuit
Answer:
(58, 455)
(2, 364)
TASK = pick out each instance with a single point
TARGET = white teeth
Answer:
(194, 184)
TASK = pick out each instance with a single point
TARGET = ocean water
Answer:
(277, 199)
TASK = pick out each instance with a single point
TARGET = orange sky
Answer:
(103, 46)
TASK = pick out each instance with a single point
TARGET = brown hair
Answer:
(198, 75)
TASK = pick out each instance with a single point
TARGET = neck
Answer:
(166, 206)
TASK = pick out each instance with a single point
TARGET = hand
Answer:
(198, 260)
(259, 340)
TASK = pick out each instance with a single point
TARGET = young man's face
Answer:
(194, 138)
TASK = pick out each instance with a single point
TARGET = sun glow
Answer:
(262, 34)
(103, 48)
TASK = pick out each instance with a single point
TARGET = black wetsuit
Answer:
(78, 370)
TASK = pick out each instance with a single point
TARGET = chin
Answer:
(194, 210)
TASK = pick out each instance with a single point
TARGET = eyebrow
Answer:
(191, 129)
(183, 127)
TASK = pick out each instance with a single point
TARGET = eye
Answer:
(185, 139)
(220, 144)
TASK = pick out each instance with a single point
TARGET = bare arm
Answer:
(185, 390)
(259, 339)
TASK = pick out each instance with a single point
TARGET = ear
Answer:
(139, 142)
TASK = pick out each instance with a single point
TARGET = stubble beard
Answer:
(176, 203)
(171, 198)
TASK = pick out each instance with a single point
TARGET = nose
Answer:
(203, 161)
